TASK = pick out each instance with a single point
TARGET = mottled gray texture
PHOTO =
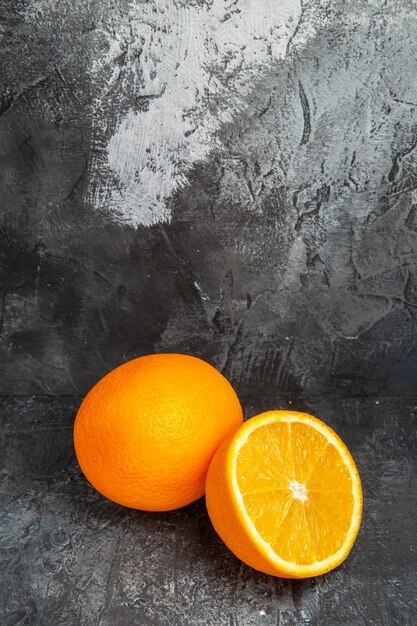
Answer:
(290, 258)
(72, 558)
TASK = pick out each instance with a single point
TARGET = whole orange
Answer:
(145, 434)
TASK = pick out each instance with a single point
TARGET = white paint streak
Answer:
(193, 66)
(201, 293)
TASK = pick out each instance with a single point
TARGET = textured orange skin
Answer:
(224, 514)
(145, 434)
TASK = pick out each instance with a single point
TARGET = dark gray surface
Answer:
(288, 261)
(72, 558)
(290, 258)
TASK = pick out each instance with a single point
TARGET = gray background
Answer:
(288, 261)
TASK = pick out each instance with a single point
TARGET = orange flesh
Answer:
(298, 493)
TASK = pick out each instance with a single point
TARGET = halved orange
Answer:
(284, 494)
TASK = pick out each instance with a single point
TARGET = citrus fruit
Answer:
(145, 434)
(284, 494)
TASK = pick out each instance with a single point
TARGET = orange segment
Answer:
(293, 542)
(269, 470)
(285, 495)
(265, 506)
(323, 533)
(307, 447)
(330, 471)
